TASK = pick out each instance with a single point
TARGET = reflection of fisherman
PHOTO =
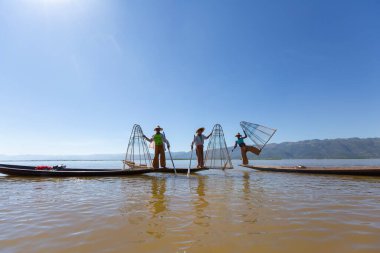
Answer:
(158, 195)
(157, 206)
(200, 204)
(159, 147)
(244, 148)
(199, 140)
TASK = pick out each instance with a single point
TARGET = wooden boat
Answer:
(19, 170)
(355, 171)
(179, 170)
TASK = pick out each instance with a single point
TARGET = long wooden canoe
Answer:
(355, 171)
(21, 170)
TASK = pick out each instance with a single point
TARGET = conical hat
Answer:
(158, 128)
(202, 129)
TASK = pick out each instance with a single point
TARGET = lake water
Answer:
(239, 210)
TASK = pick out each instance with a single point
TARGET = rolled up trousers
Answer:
(244, 151)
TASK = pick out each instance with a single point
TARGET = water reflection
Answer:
(239, 211)
(157, 206)
(201, 203)
(246, 184)
(249, 215)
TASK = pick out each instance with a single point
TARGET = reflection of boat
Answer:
(19, 170)
(355, 171)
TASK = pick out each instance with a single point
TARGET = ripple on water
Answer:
(234, 211)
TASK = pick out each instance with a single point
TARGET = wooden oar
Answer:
(170, 154)
(171, 158)
(191, 158)
(225, 165)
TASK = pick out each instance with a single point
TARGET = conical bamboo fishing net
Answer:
(217, 155)
(260, 135)
(137, 155)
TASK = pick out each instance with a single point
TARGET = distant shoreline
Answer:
(349, 148)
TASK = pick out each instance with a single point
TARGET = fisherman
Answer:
(244, 148)
(199, 140)
(159, 148)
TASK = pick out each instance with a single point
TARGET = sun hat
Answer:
(158, 128)
(202, 129)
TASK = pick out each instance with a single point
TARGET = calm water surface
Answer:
(239, 210)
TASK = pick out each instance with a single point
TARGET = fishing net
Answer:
(260, 135)
(217, 155)
(137, 155)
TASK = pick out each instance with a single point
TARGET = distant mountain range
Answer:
(351, 148)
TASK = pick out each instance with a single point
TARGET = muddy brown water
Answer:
(239, 210)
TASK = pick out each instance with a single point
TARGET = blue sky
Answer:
(76, 75)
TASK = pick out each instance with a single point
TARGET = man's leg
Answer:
(198, 156)
(162, 156)
(253, 149)
(155, 159)
(244, 155)
(201, 156)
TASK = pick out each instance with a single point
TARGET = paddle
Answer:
(225, 165)
(170, 154)
(191, 158)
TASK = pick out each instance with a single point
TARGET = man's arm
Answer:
(234, 146)
(148, 139)
(166, 141)
(245, 134)
(208, 136)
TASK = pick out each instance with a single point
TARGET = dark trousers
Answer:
(159, 153)
(199, 152)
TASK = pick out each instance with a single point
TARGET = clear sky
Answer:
(75, 75)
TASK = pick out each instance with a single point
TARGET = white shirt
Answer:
(199, 139)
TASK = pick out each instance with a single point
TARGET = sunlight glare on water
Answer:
(239, 210)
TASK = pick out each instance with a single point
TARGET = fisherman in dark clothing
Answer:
(244, 148)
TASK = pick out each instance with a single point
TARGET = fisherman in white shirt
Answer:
(199, 140)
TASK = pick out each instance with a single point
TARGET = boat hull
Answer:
(353, 171)
(20, 170)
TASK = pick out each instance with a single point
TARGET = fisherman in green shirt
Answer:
(159, 148)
